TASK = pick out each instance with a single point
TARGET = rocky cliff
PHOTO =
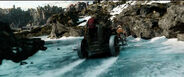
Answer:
(148, 21)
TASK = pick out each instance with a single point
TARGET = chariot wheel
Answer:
(82, 49)
(114, 45)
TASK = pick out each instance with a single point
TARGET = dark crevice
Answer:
(179, 28)
(155, 24)
(147, 9)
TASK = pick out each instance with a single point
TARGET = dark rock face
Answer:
(17, 49)
(148, 21)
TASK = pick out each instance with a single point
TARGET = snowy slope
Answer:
(120, 8)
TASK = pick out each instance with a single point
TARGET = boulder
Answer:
(58, 30)
(63, 23)
(61, 27)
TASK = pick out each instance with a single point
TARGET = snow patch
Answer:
(158, 2)
(82, 19)
(120, 8)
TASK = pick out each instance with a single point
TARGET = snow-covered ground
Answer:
(120, 8)
(82, 19)
(166, 1)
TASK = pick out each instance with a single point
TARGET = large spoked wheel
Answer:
(114, 45)
(82, 49)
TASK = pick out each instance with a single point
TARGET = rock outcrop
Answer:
(142, 20)
(148, 21)
(59, 30)
(63, 24)
(173, 22)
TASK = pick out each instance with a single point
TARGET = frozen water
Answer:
(158, 57)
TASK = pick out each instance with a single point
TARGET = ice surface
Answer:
(157, 57)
